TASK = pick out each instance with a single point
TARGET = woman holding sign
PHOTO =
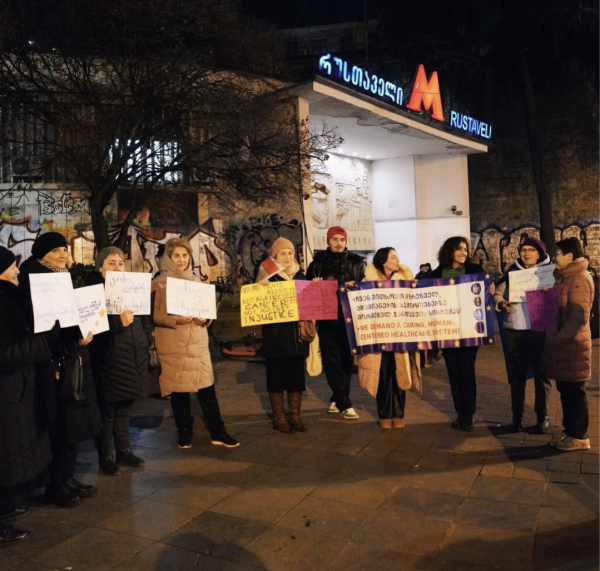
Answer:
(182, 346)
(524, 347)
(568, 355)
(454, 262)
(120, 365)
(389, 374)
(70, 420)
(282, 347)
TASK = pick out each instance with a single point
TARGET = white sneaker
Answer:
(569, 444)
(349, 414)
(556, 441)
(333, 409)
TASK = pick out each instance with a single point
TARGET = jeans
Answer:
(390, 397)
(115, 427)
(576, 415)
(524, 349)
(337, 361)
(460, 363)
(211, 414)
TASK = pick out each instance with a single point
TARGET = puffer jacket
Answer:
(568, 353)
(343, 267)
(182, 349)
(120, 356)
(24, 443)
(408, 366)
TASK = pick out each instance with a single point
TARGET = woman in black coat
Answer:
(24, 443)
(68, 422)
(121, 370)
(453, 258)
(282, 347)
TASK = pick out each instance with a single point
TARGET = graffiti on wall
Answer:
(496, 248)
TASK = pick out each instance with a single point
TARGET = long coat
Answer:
(120, 356)
(408, 370)
(24, 443)
(568, 353)
(73, 422)
(281, 340)
(182, 349)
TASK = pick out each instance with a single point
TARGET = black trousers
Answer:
(337, 361)
(460, 363)
(211, 414)
(576, 415)
(390, 397)
(115, 427)
(525, 349)
(64, 460)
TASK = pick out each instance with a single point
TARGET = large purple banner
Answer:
(405, 315)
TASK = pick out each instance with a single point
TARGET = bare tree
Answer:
(151, 97)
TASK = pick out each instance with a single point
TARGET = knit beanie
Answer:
(281, 244)
(46, 243)
(105, 252)
(334, 231)
(7, 259)
(535, 243)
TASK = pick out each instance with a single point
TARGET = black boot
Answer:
(185, 430)
(468, 423)
(109, 466)
(62, 496)
(128, 458)
(517, 423)
(458, 423)
(279, 420)
(543, 423)
(82, 490)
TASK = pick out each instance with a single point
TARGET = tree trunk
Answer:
(533, 135)
(99, 225)
(124, 232)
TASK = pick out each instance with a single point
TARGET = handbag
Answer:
(153, 360)
(307, 331)
(70, 378)
(314, 365)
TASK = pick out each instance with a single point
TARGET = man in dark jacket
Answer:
(121, 371)
(336, 263)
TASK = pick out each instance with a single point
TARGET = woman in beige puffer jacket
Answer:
(568, 353)
(182, 347)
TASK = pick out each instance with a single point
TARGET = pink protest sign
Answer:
(317, 300)
(543, 308)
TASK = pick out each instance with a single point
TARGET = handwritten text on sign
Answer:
(543, 309)
(127, 291)
(92, 310)
(274, 303)
(317, 300)
(53, 298)
(191, 299)
(527, 280)
(399, 316)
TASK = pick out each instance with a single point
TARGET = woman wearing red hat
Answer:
(282, 347)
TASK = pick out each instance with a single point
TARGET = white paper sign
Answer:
(92, 310)
(527, 280)
(128, 291)
(53, 297)
(191, 299)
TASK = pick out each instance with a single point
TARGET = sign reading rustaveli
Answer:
(408, 315)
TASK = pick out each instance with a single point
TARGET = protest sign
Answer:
(317, 300)
(53, 298)
(543, 306)
(425, 314)
(529, 280)
(92, 310)
(273, 303)
(191, 299)
(127, 291)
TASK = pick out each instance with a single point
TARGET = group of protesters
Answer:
(60, 388)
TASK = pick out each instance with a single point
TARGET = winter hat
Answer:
(281, 244)
(534, 243)
(7, 259)
(46, 243)
(105, 252)
(334, 231)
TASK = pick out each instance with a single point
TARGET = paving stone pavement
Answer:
(346, 496)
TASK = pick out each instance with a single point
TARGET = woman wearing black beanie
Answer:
(24, 444)
(69, 423)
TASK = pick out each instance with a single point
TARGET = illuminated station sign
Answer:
(426, 95)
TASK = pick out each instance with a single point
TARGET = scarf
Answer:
(53, 268)
(168, 267)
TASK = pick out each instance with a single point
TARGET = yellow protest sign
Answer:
(275, 303)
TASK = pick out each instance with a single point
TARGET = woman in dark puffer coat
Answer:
(24, 443)
(121, 371)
